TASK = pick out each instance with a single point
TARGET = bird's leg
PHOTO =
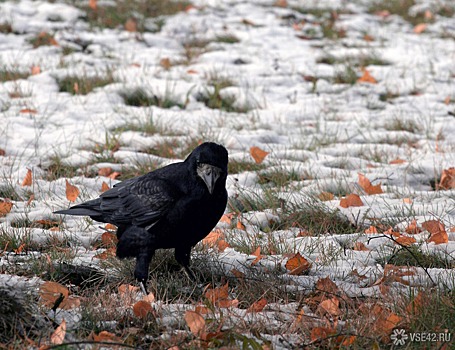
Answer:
(141, 271)
(182, 255)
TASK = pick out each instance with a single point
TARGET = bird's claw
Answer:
(143, 287)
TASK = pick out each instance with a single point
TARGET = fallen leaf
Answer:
(257, 306)
(351, 200)
(217, 294)
(227, 218)
(345, 340)
(191, 71)
(27, 179)
(5, 208)
(371, 230)
(413, 228)
(359, 246)
(397, 161)
(165, 63)
(238, 274)
(202, 310)
(109, 239)
(105, 336)
(320, 333)
(447, 181)
(72, 192)
(106, 171)
(330, 306)
(368, 187)
(104, 187)
(326, 285)
(131, 25)
(114, 175)
(51, 291)
(125, 289)
(93, 4)
(367, 77)
(326, 196)
(142, 308)
(195, 322)
(297, 264)
(405, 241)
(437, 231)
(407, 200)
(281, 3)
(240, 226)
(110, 227)
(212, 238)
(385, 325)
(368, 38)
(35, 70)
(2, 152)
(447, 100)
(258, 154)
(28, 111)
(149, 297)
(108, 253)
(58, 335)
(257, 254)
(420, 28)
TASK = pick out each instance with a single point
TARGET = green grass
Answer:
(414, 256)
(356, 61)
(82, 85)
(347, 75)
(43, 39)
(11, 74)
(239, 166)
(141, 98)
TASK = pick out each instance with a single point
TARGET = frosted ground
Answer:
(285, 75)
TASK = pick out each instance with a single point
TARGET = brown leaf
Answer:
(216, 294)
(28, 111)
(93, 4)
(447, 181)
(413, 228)
(240, 226)
(420, 28)
(281, 3)
(437, 231)
(326, 285)
(142, 308)
(297, 264)
(114, 175)
(5, 207)
(212, 238)
(195, 322)
(257, 306)
(2, 152)
(258, 154)
(165, 63)
(359, 246)
(351, 200)
(150, 298)
(131, 25)
(227, 218)
(35, 70)
(27, 179)
(238, 274)
(367, 77)
(108, 253)
(371, 230)
(330, 306)
(72, 192)
(106, 171)
(368, 187)
(59, 334)
(51, 291)
(405, 240)
(104, 187)
(257, 254)
(109, 239)
(105, 336)
(320, 333)
(368, 38)
(126, 289)
(326, 196)
(397, 161)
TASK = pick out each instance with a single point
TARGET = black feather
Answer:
(170, 207)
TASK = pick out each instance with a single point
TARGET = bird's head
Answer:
(210, 161)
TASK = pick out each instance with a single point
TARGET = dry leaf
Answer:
(331, 306)
(437, 231)
(195, 322)
(407, 200)
(131, 25)
(371, 230)
(216, 294)
(327, 285)
(258, 154)
(108, 253)
(257, 306)
(238, 274)
(420, 28)
(368, 187)
(281, 3)
(127, 289)
(106, 171)
(114, 175)
(346, 340)
(165, 63)
(240, 226)
(367, 77)
(326, 196)
(359, 246)
(257, 254)
(93, 4)
(28, 111)
(319, 333)
(150, 298)
(2, 152)
(405, 241)
(447, 181)
(104, 187)
(447, 100)
(397, 161)
(212, 238)
(297, 264)
(27, 179)
(109, 239)
(227, 218)
(105, 336)
(72, 192)
(368, 38)
(142, 308)
(5, 208)
(36, 70)
(59, 334)
(351, 200)
(202, 310)
(413, 228)
(51, 291)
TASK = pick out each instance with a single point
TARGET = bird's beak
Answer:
(209, 174)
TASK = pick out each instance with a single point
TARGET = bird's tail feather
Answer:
(90, 208)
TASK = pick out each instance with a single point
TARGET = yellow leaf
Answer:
(59, 334)
(258, 154)
(72, 192)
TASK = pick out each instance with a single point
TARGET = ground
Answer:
(338, 117)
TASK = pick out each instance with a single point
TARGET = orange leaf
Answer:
(216, 294)
(297, 264)
(195, 322)
(104, 187)
(405, 240)
(72, 192)
(27, 179)
(227, 218)
(360, 247)
(346, 340)
(222, 245)
(93, 4)
(150, 298)
(351, 200)
(127, 289)
(108, 253)
(28, 111)
(191, 71)
(331, 306)
(326, 196)
(447, 181)
(114, 175)
(387, 324)
(110, 227)
(412, 228)
(281, 3)
(106, 171)
(105, 336)
(367, 77)
(447, 99)
(407, 200)
(368, 187)
(371, 230)
(240, 226)
(36, 70)
(5, 208)
(142, 308)
(437, 231)
(257, 306)
(109, 239)
(257, 254)
(420, 28)
(319, 333)
(202, 310)
(165, 63)
(327, 285)
(59, 334)
(212, 238)
(258, 154)
(368, 38)
(397, 161)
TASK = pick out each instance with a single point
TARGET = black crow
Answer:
(172, 207)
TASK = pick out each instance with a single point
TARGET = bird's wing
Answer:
(140, 201)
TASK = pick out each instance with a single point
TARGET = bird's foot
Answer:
(143, 286)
